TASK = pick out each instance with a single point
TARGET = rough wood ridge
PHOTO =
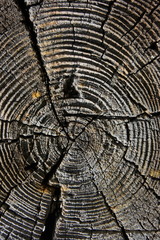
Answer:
(79, 119)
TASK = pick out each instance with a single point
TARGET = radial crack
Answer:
(56, 133)
(111, 117)
(118, 231)
(53, 214)
(54, 168)
(145, 184)
(119, 224)
(135, 24)
(10, 141)
(153, 9)
(111, 3)
(33, 36)
(145, 65)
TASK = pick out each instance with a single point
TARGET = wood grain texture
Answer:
(79, 119)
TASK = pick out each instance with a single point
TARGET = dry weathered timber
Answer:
(80, 119)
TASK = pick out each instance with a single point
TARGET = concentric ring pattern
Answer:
(80, 127)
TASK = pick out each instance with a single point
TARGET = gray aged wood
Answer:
(79, 117)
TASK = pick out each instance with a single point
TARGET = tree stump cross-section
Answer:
(79, 119)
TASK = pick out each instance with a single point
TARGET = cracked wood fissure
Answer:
(79, 119)
(29, 26)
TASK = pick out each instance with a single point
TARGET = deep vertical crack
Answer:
(111, 3)
(69, 88)
(53, 215)
(153, 9)
(53, 169)
(54, 211)
(33, 37)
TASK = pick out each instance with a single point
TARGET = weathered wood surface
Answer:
(79, 117)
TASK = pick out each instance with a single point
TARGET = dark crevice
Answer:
(3, 208)
(154, 46)
(8, 235)
(54, 168)
(9, 141)
(153, 9)
(145, 65)
(135, 24)
(124, 234)
(156, 114)
(127, 132)
(33, 37)
(32, 166)
(119, 224)
(154, 178)
(53, 215)
(111, 3)
(38, 207)
(69, 89)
